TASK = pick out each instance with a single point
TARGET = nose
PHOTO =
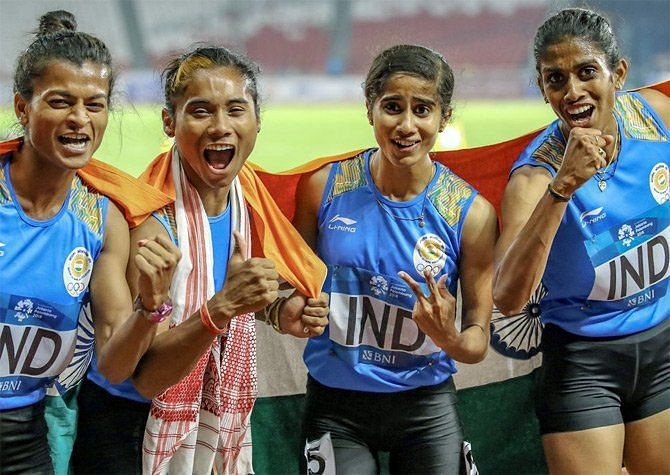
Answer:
(78, 116)
(406, 123)
(220, 125)
(573, 89)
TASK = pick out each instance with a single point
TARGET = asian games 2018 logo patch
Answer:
(429, 253)
(659, 183)
(77, 271)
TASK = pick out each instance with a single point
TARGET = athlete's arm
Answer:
(122, 335)
(251, 284)
(476, 273)
(308, 201)
(660, 102)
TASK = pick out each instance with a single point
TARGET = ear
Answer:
(444, 120)
(258, 126)
(539, 86)
(369, 112)
(168, 123)
(620, 73)
(20, 109)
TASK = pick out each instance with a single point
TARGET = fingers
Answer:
(442, 286)
(412, 284)
(322, 301)
(316, 311)
(158, 252)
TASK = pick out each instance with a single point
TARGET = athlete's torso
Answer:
(45, 268)
(607, 272)
(371, 342)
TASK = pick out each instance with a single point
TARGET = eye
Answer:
(392, 107)
(422, 110)
(58, 103)
(199, 112)
(554, 78)
(96, 106)
(588, 72)
(236, 111)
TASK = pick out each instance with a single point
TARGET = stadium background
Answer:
(314, 54)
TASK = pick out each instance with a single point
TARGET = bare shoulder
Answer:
(116, 226)
(150, 228)
(660, 102)
(481, 221)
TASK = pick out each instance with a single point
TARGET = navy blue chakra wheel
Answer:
(518, 336)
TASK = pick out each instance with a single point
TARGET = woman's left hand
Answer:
(304, 317)
(435, 314)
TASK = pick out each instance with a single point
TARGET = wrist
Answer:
(158, 314)
(564, 187)
(215, 328)
(272, 314)
(557, 193)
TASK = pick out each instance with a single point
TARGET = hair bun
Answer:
(55, 21)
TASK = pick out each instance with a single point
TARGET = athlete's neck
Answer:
(214, 200)
(40, 187)
(400, 184)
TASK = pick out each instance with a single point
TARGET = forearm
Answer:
(522, 265)
(172, 356)
(120, 354)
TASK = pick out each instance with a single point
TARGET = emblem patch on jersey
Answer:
(23, 309)
(429, 253)
(77, 271)
(659, 183)
(379, 286)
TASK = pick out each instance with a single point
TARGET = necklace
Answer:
(421, 216)
(601, 176)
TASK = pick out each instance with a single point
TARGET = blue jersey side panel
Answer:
(372, 343)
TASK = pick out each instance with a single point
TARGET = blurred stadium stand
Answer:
(313, 50)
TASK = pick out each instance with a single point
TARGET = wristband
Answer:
(155, 316)
(556, 195)
(207, 321)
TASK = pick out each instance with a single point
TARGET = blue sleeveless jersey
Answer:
(371, 343)
(220, 229)
(45, 268)
(608, 268)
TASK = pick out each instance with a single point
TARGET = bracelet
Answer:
(207, 321)
(556, 195)
(271, 314)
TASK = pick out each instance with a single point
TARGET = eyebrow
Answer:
(203, 101)
(418, 98)
(590, 62)
(63, 93)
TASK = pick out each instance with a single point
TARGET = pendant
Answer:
(602, 184)
(421, 223)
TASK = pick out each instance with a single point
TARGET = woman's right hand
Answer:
(251, 285)
(584, 155)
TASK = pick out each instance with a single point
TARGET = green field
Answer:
(291, 135)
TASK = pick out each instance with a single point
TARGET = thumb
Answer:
(240, 247)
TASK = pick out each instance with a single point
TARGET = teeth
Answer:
(579, 110)
(404, 143)
(219, 148)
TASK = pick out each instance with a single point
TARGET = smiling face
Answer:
(406, 117)
(214, 125)
(578, 83)
(66, 117)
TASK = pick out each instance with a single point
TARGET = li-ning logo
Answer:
(2, 253)
(591, 217)
(347, 224)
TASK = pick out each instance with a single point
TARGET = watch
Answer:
(155, 316)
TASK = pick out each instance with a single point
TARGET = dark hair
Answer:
(180, 70)
(413, 60)
(577, 23)
(57, 40)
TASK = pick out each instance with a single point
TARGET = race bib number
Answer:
(371, 320)
(632, 260)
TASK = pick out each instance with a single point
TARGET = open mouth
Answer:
(219, 156)
(580, 115)
(405, 144)
(74, 142)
